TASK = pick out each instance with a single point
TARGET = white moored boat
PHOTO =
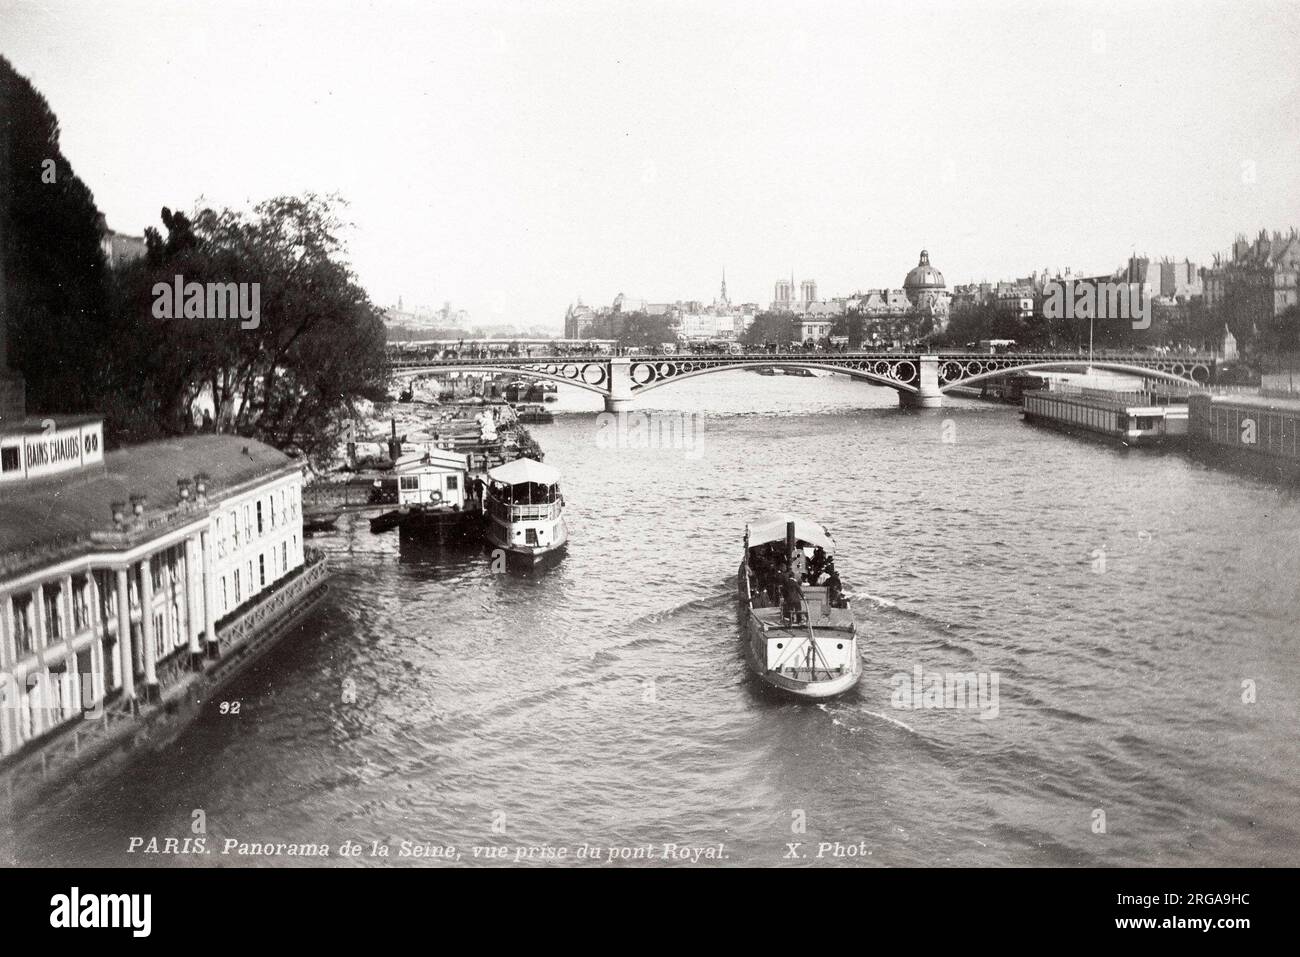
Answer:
(524, 509)
(802, 641)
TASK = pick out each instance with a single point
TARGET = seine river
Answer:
(1137, 608)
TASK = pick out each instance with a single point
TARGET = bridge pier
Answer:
(927, 394)
(619, 380)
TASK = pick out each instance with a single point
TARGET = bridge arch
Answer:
(1186, 373)
(663, 372)
(591, 376)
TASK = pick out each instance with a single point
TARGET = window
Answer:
(410, 483)
(238, 597)
(261, 571)
(234, 527)
(453, 483)
(23, 624)
(248, 523)
(53, 624)
(225, 598)
(284, 556)
(155, 571)
(104, 584)
(80, 603)
(259, 516)
(9, 461)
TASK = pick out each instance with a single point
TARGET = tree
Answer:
(293, 378)
(1280, 334)
(768, 327)
(644, 331)
(56, 279)
(853, 325)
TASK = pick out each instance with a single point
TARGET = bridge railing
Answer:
(420, 361)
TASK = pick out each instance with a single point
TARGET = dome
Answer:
(924, 276)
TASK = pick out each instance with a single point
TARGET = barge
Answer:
(432, 499)
(1135, 418)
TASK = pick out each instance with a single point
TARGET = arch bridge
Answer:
(920, 379)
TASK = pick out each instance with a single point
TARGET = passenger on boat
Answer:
(793, 607)
(776, 583)
(835, 590)
(817, 565)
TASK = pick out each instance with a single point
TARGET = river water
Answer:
(1128, 601)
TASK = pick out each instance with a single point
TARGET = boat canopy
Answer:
(771, 528)
(522, 471)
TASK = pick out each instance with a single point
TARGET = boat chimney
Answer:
(394, 444)
(790, 539)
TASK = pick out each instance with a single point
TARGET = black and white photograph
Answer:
(591, 435)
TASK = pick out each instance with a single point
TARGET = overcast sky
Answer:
(510, 157)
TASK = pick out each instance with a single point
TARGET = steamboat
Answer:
(524, 510)
(799, 632)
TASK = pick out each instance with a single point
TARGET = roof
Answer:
(36, 423)
(51, 518)
(525, 470)
(923, 275)
(771, 528)
(435, 457)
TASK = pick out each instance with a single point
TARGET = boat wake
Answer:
(827, 708)
(878, 600)
(885, 717)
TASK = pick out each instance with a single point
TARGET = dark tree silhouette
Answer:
(56, 279)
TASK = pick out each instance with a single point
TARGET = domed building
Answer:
(926, 290)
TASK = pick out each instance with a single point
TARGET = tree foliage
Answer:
(56, 280)
(642, 330)
(291, 380)
(777, 327)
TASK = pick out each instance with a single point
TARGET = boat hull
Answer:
(499, 536)
(809, 690)
(757, 639)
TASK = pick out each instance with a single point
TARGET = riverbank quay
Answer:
(133, 585)
(473, 435)
(1261, 432)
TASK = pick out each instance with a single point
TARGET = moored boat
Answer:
(800, 636)
(533, 413)
(432, 499)
(525, 510)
